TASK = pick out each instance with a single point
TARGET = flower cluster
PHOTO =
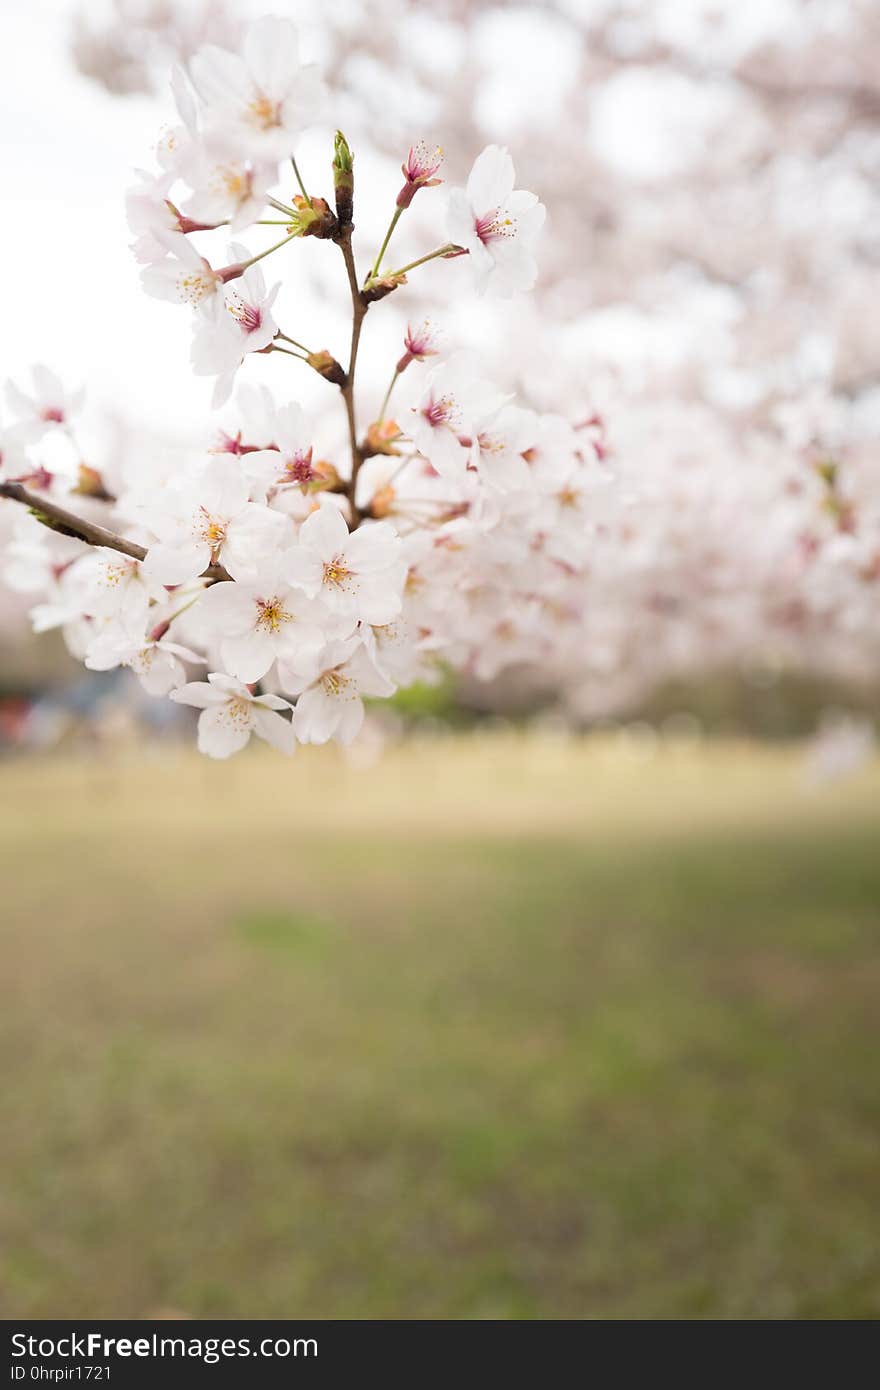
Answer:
(464, 544)
(275, 582)
(295, 585)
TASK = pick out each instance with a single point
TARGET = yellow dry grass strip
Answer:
(499, 783)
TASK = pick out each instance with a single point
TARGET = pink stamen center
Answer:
(494, 226)
(250, 316)
(422, 163)
(298, 468)
(439, 412)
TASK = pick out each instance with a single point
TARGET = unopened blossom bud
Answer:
(382, 502)
(38, 479)
(343, 179)
(382, 285)
(89, 483)
(382, 437)
(418, 171)
(327, 367)
(327, 477)
(419, 343)
(313, 218)
(232, 443)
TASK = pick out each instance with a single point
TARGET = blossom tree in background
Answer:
(128, 45)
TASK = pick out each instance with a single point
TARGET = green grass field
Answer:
(500, 1027)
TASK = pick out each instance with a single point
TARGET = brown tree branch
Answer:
(58, 518)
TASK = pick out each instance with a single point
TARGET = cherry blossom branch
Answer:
(69, 522)
(58, 518)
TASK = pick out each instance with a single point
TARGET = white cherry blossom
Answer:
(443, 425)
(497, 224)
(183, 276)
(238, 322)
(210, 520)
(116, 586)
(48, 407)
(258, 416)
(501, 441)
(231, 713)
(225, 186)
(158, 663)
(27, 560)
(177, 141)
(358, 575)
(63, 608)
(398, 652)
(291, 463)
(263, 621)
(263, 97)
(331, 705)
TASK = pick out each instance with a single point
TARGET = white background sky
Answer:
(71, 295)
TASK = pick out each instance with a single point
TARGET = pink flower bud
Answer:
(418, 171)
(419, 343)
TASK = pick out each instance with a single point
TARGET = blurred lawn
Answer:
(501, 1027)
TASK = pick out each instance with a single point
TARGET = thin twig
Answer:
(268, 251)
(449, 250)
(358, 311)
(276, 347)
(299, 179)
(281, 207)
(377, 264)
(391, 386)
(287, 339)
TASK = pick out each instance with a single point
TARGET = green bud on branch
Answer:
(380, 286)
(313, 218)
(343, 179)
